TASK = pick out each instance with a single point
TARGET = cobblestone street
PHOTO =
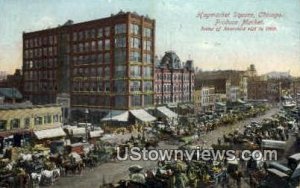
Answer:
(114, 171)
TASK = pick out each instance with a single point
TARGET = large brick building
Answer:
(174, 80)
(104, 64)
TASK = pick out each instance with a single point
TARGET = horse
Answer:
(48, 177)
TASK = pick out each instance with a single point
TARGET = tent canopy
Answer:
(50, 133)
(142, 115)
(167, 112)
(116, 115)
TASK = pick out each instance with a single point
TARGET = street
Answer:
(114, 171)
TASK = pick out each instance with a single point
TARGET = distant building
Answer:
(208, 99)
(13, 81)
(264, 89)
(3, 75)
(105, 64)
(174, 80)
(224, 82)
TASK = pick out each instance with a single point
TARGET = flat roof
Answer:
(25, 105)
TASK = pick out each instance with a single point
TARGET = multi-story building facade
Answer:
(229, 82)
(207, 96)
(264, 89)
(103, 64)
(174, 80)
(20, 120)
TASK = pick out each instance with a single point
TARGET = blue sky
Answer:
(177, 29)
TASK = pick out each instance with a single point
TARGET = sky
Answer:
(177, 28)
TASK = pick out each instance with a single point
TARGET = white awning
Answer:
(78, 131)
(94, 134)
(167, 112)
(116, 115)
(50, 133)
(142, 115)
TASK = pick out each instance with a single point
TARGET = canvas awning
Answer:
(116, 115)
(220, 104)
(78, 131)
(167, 112)
(50, 133)
(241, 101)
(142, 115)
(95, 134)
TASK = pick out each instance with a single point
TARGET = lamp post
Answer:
(86, 112)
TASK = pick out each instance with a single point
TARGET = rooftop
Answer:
(24, 105)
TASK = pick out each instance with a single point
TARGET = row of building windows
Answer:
(39, 120)
(91, 46)
(40, 86)
(119, 100)
(100, 58)
(120, 71)
(106, 31)
(40, 63)
(37, 75)
(170, 99)
(88, 34)
(40, 52)
(118, 86)
(168, 76)
(40, 41)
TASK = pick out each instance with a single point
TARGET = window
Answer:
(107, 58)
(100, 45)
(134, 29)
(87, 46)
(107, 72)
(27, 122)
(135, 43)
(100, 58)
(147, 72)
(3, 124)
(74, 36)
(120, 56)
(120, 101)
(120, 42)
(120, 86)
(135, 71)
(147, 58)
(80, 37)
(100, 86)
(147, 32)
(147, 86)
(93, 46)
(87, 34)
(55, 118)
(93, 33)
(38, 121)
(120, 28)
(135, 86)
(120, 71)
(136, 100)
(47, 119)
(99, 72)
(107, 86)
(148, 100)
(107, 31)
(93, 87)
(135, 56)
(15, 123)
(100, 33)
(147, 45)
(107, 44)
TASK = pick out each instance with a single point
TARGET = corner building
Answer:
(104, 64)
